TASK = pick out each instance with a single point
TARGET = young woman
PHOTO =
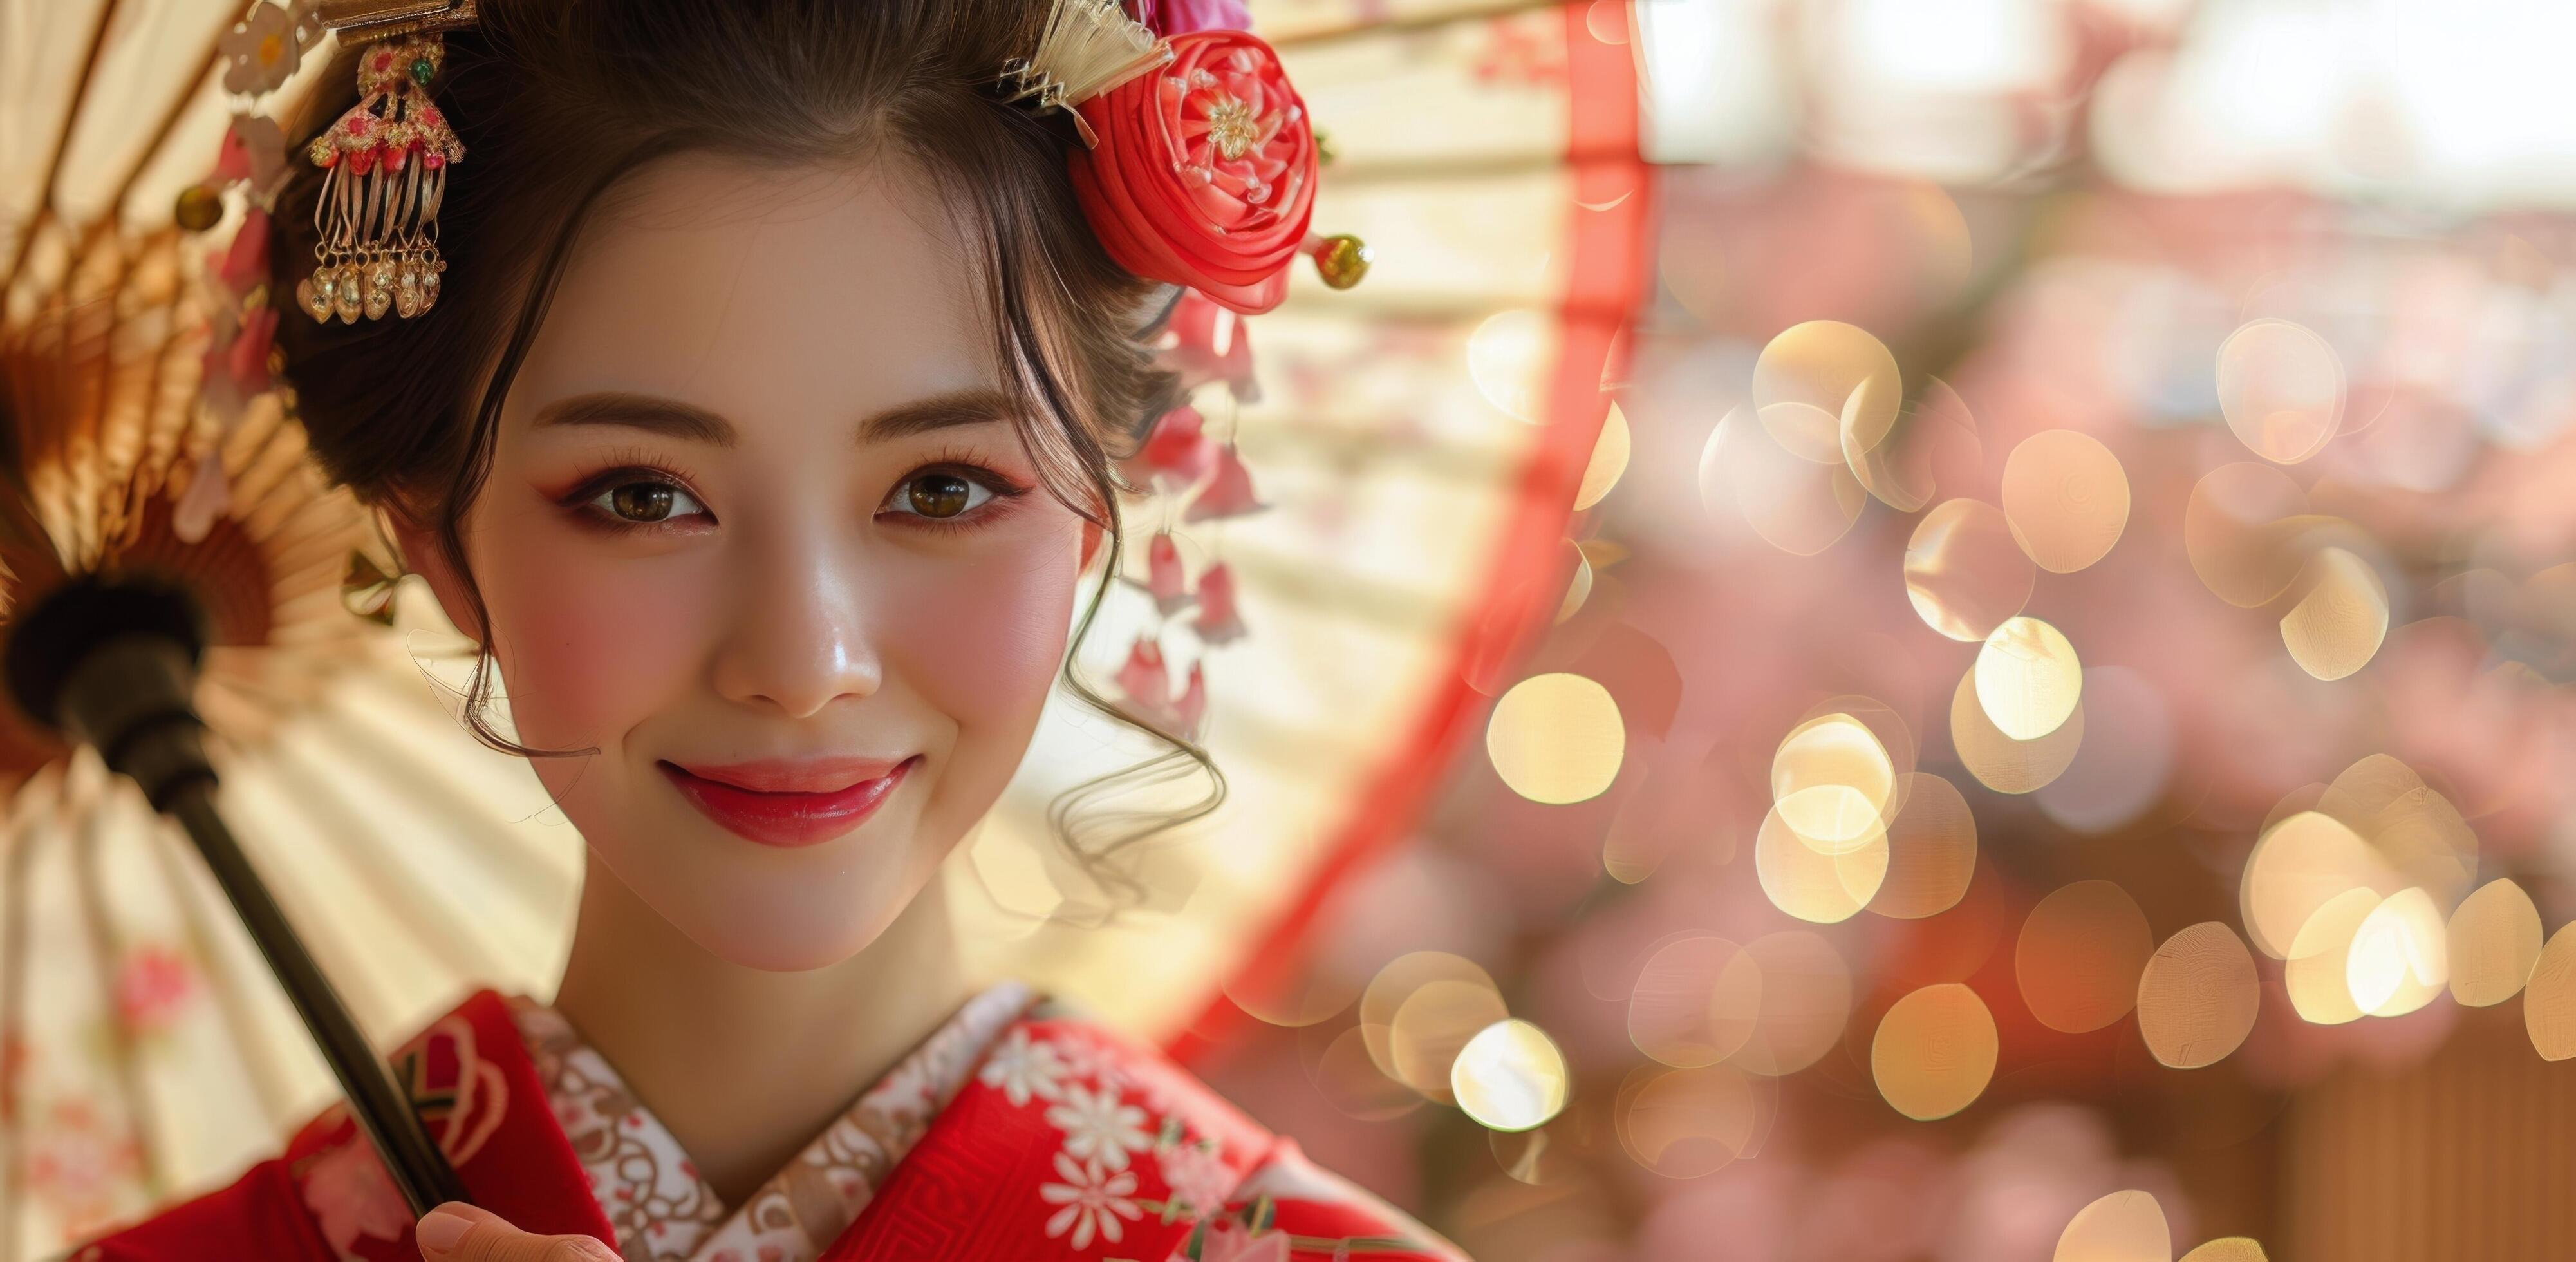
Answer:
(763, 431)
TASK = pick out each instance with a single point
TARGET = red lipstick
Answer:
(787, 802)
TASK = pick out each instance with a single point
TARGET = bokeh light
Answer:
(1509, 1077)
(1934, 1052)
(1556, 738)
(2028, 680)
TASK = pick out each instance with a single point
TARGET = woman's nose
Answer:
(798, 635)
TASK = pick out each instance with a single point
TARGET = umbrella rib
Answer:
(170, 118)
(363, 730)
(94, 917)
(326, 803)
(62, 142)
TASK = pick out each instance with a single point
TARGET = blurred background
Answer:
(1891, 631)
(2062, 679)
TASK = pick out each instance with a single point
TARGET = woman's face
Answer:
(759, 528)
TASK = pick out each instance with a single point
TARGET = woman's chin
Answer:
(775, 943)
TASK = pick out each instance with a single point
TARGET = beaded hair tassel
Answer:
(385, 163)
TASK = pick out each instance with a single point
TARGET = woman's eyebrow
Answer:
(973, 406)
(639, 411)
(659, 415)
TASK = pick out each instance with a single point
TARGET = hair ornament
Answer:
(1089, 47)
(385, 161)
(1198, 160)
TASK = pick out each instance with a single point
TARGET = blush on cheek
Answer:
(588, 646)
(981, 643)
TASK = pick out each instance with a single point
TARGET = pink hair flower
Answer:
(1143, 680)
(1203, 342)
(1165, 578)
(1218, 621)
(1178, 450)
(1228, 494)
(246, 261)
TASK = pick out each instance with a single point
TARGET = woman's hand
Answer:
(462, 1233)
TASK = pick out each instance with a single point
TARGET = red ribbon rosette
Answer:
(1204, 171)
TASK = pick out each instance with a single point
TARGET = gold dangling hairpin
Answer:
(385, 167)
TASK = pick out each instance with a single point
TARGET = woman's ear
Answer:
(421, 555)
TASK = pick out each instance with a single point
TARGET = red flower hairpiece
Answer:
(1199, 161)
(1204, 174)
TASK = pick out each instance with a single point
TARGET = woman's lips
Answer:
(785, 817)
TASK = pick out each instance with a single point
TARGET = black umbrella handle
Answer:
(380, 1105)
(114, 664)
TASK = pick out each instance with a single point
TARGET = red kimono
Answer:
(1015, 1132)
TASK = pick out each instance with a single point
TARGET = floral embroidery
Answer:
(665, 1212)
(351, 1196)
(1098, 1126)
(1197, 1175)
(1021, 1068)
(1093, 1201)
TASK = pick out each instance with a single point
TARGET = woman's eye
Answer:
(938, 495)
(646, 503)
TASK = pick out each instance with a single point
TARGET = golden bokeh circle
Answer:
(1795, 505)
(2400, 955)
(1509, 1077)
(2298, 865)
(1820, 366)
(2239, 530)
(1433, 1025)
(1998, 761)
(2318, 974)
(1933, 445)
(1833, 783)
(2549, 998)
(1695, 1001)
(1934, 1052)
(2227, 1249)
(2495, 939)
(1815, 885)
(1395, 982)
(2281, 388)
(1931, 851)
(2066, 498)
(1964, 574)
(1556, 738)
(2028, 678)
(1688, 1123)
(2198, 997)
(2416, 832)
(1806, 997)
(2339, 617)
(2081, 953)
(1609, 460)
(2122, 1227)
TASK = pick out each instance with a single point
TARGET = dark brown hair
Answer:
(557, 100)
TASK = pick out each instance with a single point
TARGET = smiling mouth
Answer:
(785, 818)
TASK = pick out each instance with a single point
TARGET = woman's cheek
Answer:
(589, 645)
(981, 641)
